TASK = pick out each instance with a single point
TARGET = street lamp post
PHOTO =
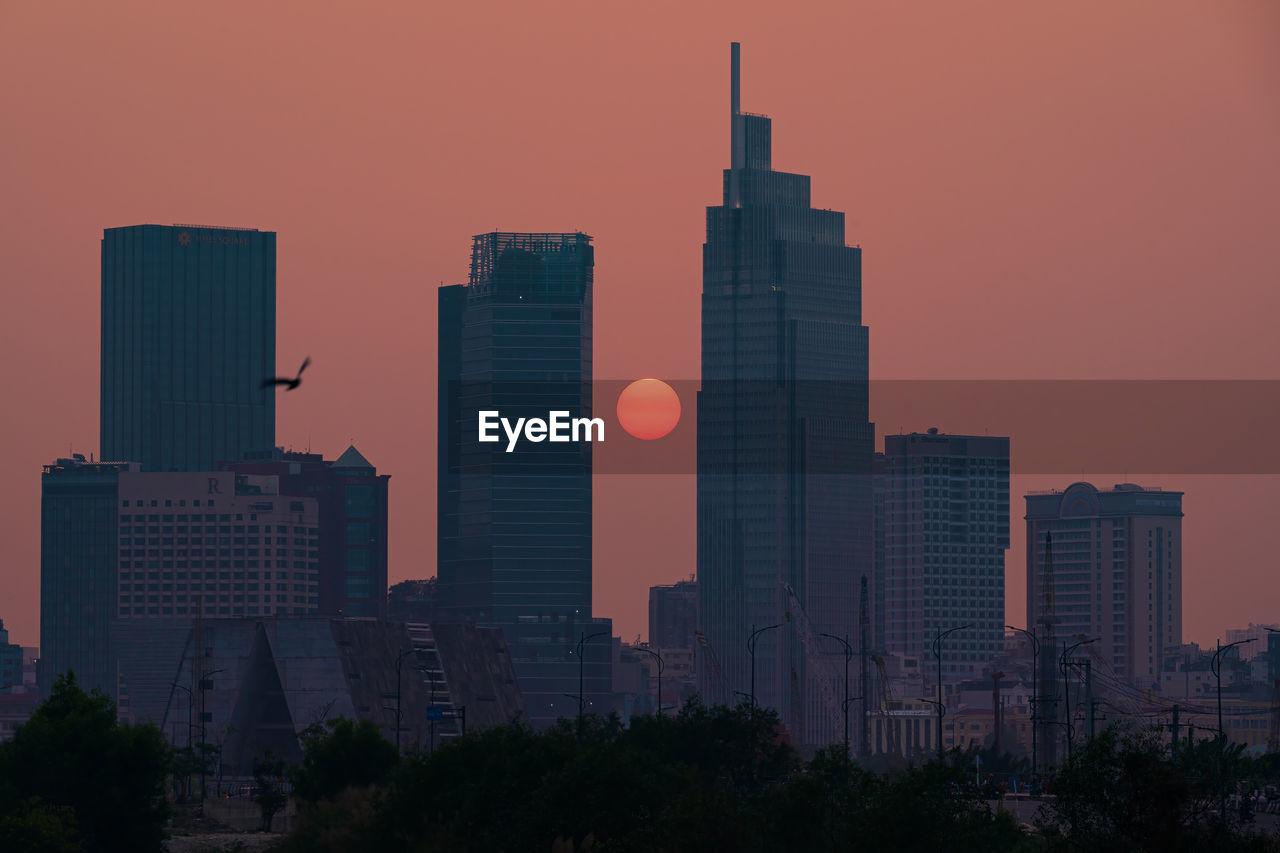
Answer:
(937, 653)
(751, 650)
(658, 658)
(1215, 664)
(204, 732)
(1035, 696)
(848, 655)
(582, 702)
(937, 705)
(1063, 663)
(190, 717)
(399, 712)
(190, 726)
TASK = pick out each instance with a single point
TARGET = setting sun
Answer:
(648, 409)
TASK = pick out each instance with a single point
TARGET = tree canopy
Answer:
(344, 754)
(74, 778)
(707, 778)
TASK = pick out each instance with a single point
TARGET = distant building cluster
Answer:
(235, 592)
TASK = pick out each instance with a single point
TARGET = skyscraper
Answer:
(188, 335)
(1117, 572)
(10, 662)
(947, 530)
(78, 569)
(514, 528)
(784, 440)
(673, 615)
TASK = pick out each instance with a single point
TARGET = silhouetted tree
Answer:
(73, 755)
(268, 790)
(1124, 790)
(345, 754)
(34, 826)
(837, 805)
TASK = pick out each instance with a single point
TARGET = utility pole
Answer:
(864, 653)
(1173, 728)
(1088, 694)
(1093, 714)
(1047, 705)
(996, 710)
(1066, 662)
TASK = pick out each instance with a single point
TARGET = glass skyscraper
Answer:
(78, 570)
(188, 335)
(784, 442)
(514, 528)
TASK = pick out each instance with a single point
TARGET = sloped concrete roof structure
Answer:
(250, 686)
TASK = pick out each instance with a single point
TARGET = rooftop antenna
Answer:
(737, 144)
(735, 88)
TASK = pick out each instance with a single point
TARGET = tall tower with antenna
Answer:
(784, 440)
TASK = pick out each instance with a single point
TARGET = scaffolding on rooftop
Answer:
(540, 267)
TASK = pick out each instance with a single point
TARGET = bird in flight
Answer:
(289, 384)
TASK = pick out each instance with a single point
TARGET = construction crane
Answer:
(813, 653)
(886, 696)
(714, 675)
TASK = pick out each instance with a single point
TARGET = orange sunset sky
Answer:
(1066, 190)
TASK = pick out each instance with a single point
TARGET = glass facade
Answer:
(78, 541)
(784, 440)
(514, 528)
(188, 335)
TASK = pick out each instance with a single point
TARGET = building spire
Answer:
(735, 71)
(737, 141)
(737, 150)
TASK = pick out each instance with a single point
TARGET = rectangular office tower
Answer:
(78, 569)
(514, 528)
(1116, 573)
(946, 531)
(188, 335)
(784, 441)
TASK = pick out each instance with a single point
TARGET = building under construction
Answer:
(514, 528)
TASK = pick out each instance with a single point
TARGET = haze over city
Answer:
(1106, 211)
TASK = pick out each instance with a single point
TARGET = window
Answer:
(359, 560)
(358, 500)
